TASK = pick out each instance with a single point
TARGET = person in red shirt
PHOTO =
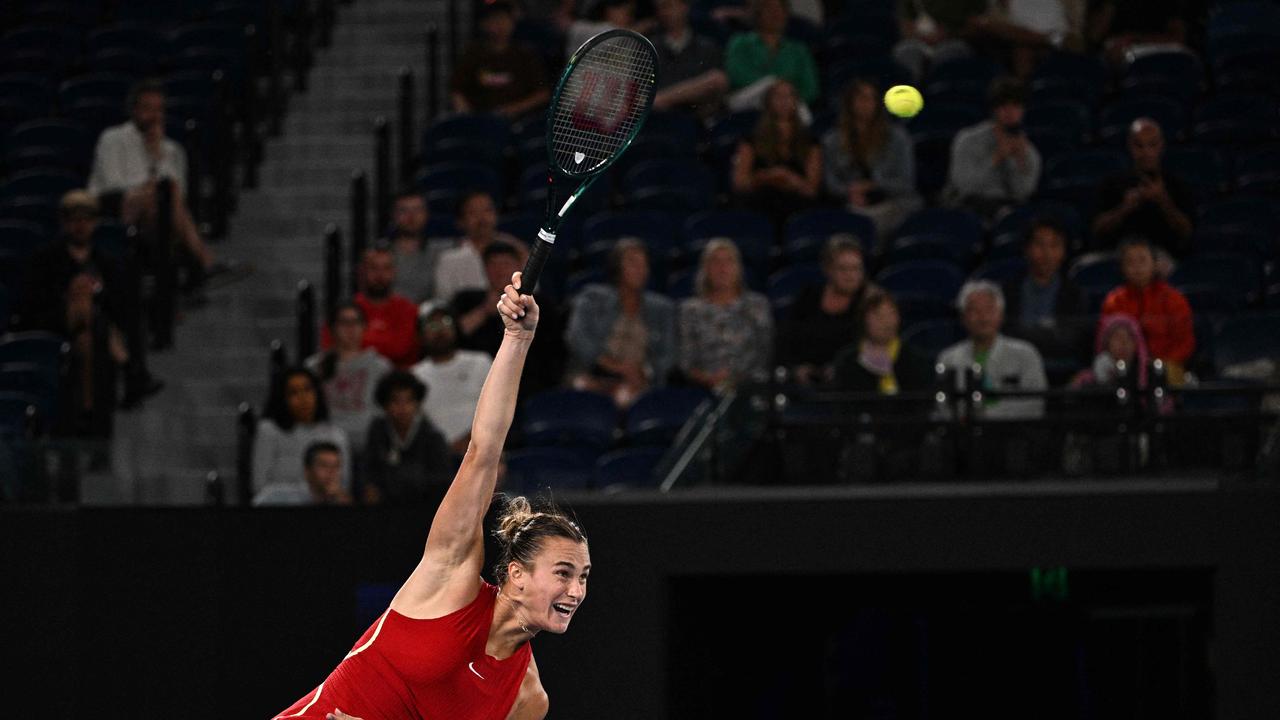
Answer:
(1162, 311)
(451, 645)
(392, 327)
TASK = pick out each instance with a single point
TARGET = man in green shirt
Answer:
(765, 53)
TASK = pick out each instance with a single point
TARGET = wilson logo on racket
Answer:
(598, 108)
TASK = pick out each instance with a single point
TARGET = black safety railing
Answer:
(306, 315)
(359, 223)
(432, 94)
(333, 290)
(404, 113)
(246, 429)
(164, 297)
(381, 173)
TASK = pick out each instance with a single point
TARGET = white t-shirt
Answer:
(453, 389)
(461, 267)
(121, 162)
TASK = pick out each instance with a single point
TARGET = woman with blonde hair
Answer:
(868, 162)
(726, 330)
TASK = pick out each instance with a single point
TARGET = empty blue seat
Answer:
(1069, 76)
(17, 411)
(1070, 117)
(655, 227)
(33, 89)
(95, 114)
(1243, 338)
(1240, 18)
(1245, 214)
(444, 185)
(670, 184)
(679, 129)
(1176, 73)
(1002, 270)
(1203, 169)
(20, 238)
(1237, 278)
(629, 468)
(936, 278)
(38, 381)
(657, 416)
(930, 246)
(962, 225)
(41, 47)
(1096, 274)
(225, 36)
(787, 283)
(931, 337)
(1259, 171)
(45, 143)
(964, 79)
(728, 223)
(1236, 118)
(533, 469)
(95, 86)
(569, 418)
(34, 347)
(825, 222)
(480, 128)
(918, 307)
(1114, 119)
(40, 183)
(128, 36)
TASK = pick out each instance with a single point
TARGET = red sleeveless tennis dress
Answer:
(436, 669)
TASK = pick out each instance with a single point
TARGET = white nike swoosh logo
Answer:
(472, 667)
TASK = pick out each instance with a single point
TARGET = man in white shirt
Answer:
(1003, 363)
(133, 157)
(453, 377)
(462, 267)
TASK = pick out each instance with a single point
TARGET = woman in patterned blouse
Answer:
(726, 331)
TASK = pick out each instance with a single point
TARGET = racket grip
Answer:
(533, 267)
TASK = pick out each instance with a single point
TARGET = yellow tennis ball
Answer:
(903, 101)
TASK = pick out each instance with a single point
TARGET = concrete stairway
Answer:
(162, 452)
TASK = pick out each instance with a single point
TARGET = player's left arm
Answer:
(532, 702)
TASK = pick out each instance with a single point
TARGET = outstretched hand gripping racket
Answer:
(603, 97)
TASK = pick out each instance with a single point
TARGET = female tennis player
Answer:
(451, 645)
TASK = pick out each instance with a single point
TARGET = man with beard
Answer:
(462, 266)
(453, 377)
(392, 318)
(62, 279)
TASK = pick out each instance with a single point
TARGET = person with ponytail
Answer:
(452, 645)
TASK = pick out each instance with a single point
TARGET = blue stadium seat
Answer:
(534, 469)
(680, 283)
(51, 183)
(679, 129)
(1244, 214)
(919, 307)
(44, 48)
(934, 278)
(657, 416)
(128, 36)
(16, 409)
(1068, 76)
(1075, 177)
(1243, 338)
(47, 143)
(1203, 169)
(1002, 270)
(16, 110)
(962, 225)
(1236, 118)
(34, 347)
(227, 37)
(1172, 73)
(524, 225)
(825, 222)
(1096, 274)
(1248, 63)
(1259, 171)
(1229, 20)
(886, 71)
(930, 246)
(19, 238)
(1253, 243)
(481, 128)
(931, 337)
(95, 86)
(749, 230)
(629, 468)
(445, 184)
(95, 114)
(1114, 119)
(785, 284)
(1207, 299)
(671, 184)
(1237, 278)
(569, 418)
(33, 89)
(38, 381)
(6, 304)
(1070, 117)
(963, 80)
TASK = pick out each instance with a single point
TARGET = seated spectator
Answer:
(604, 15)
(1121, 355)
(691, 79)
(407, 459)
(726, 330)
(454, 376)
(322, 468)
(824, 318)
(416, 255)
(878, 362)
(462, 267)
(779, 170)
(60, 282)
(132, 158)
(993, 164)
(392, 319)
(349, 372)
(756, 60)
(1025, 31)
(1146, 200)
(296, 417)
(495, 74)
(1044, 306)
(1162, 311)
(1131, 28)
(934, 31)
(621, 337)
(868, 162)
(1002, 363)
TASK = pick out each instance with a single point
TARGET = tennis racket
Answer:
(600, 103)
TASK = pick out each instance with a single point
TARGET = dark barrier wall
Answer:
(205, 613)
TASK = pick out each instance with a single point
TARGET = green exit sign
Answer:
(1049, 583)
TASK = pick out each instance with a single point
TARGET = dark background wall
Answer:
(234, 613)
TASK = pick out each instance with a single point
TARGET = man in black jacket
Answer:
(1043, 306)
(63, 278)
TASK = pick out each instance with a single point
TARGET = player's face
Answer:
(982, 316)
(557, 584)
(300, 396)
(1138, 265)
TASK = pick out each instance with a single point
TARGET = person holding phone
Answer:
(994, 164)
(1146, 201)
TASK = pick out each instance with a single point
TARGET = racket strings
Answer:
(601, 104)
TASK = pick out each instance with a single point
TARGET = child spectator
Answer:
(1162, 311)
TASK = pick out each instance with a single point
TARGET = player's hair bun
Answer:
(516, 516)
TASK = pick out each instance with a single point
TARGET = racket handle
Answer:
(533, 267)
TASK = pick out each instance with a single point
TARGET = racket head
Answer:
(600, 103)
